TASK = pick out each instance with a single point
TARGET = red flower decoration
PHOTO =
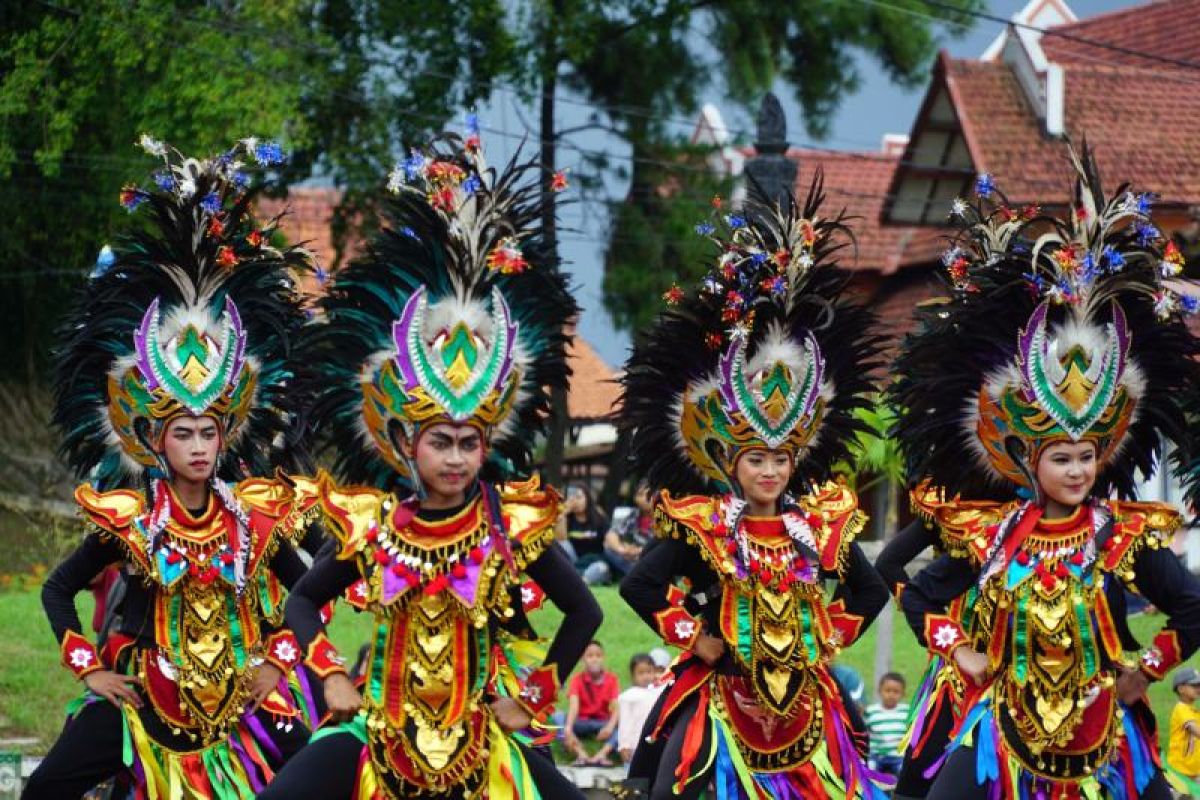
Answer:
(254, 238)
(717, 202)
(442, 199)
(673, 296)
(444, 172)
(226, 257)
(216, 227)
(507, 258)
(558, 182)
(712, 340)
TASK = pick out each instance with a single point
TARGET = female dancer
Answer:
(1053, 367)
(741, 398)
(434, 364)
(171, 385)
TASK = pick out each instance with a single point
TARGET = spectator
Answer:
(1183, 750)
(852, 688)
(887, 721)
(592, 710)
(632, 529)
(662, 661)
(634, 704)
(581, 534)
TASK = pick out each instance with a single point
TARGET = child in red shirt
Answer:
(592, 709)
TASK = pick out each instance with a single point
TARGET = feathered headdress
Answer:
(457, 313)
(1054, 330)
(192, 313)
(766, 353)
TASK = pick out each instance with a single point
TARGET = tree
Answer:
(808, 44)
(78, 85)
(341, 83)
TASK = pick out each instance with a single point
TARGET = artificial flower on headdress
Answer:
(456, 314)
(191, 315)
(1054, 331)
(766, 353)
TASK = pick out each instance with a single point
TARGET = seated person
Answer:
(592, 709)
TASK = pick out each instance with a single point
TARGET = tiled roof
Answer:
(1139, 121)
(1167, 29)
(857, 182)
(593, 383)
(309, 210)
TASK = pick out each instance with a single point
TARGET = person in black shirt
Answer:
(430, 376)
(1030, 397)
(171, 389)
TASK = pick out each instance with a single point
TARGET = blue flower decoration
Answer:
(472, 124)
(1146, 233)
(104, 261)
(705, 228)
(410, 233)
(1090, 270)
(758, 258)
(735, 221)
(413, 165)
(211, 203)
(268, 153)
(241, 180)
(1115, 261)
(1190, 304)
(1144, 202)
(472, 184)
(322, 275)
(164, 180)
(984, 185)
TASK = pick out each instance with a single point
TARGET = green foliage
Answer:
(78, 85)
(656, 244)
(341, 83)
(809, 44)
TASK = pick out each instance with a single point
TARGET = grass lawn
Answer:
(35, 687)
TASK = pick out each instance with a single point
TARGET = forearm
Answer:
(582, 616)
(927, 597)
(898, 553)
(326, 580)
(646, 588)
(69, 578)
(862, 596)
(1165, 582)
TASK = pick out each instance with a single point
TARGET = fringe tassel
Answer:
(231, 769)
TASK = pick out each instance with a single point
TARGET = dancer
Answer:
(741, 398)
(172, 386)
(1051, 372)
(434, 364)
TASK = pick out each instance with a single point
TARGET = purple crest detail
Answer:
(412, 314)
(141, 346)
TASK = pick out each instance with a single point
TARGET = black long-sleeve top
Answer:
(77, 571)
(899, 552)
(645, 587)
(1158, 575)
(329, 577)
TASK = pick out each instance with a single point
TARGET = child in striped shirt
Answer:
(887, 721)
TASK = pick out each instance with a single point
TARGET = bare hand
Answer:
(1131, 685)
(113, 687)
(626, 754)
(510, 716)
(341, 697)
(606, 732)
(709, 648)
(266, 680)
(972, 664)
